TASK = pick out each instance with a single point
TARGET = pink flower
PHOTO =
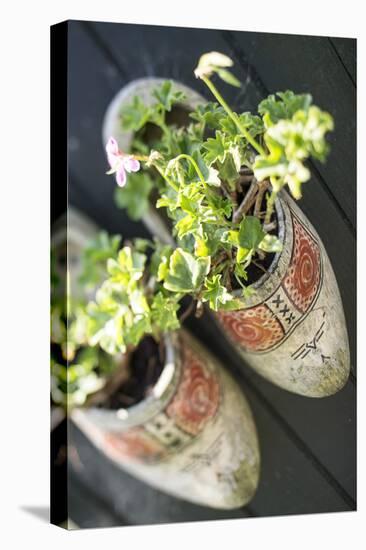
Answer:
(120, 163)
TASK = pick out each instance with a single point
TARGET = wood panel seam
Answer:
(338, 55)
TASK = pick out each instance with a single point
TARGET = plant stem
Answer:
(247, 202)
(168, 180)
(233, 116)
(225, 191)
(223, 266)
(194, 164)
(270, 205)
(259, 266)
(239, 281)
(226, 278)
(263, 186)
(269, 227)
(144, 158)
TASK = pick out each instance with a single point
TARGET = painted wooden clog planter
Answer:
(143, 88)
(194, 437)
(292, 330)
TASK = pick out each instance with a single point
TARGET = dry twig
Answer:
(247, 202)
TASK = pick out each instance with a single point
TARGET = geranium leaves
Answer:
(135, 115)
(249, 238)
(250, 233)
(270, 243)
(210, 242)
(186, 273)
(128, 268)
(123, 310)
(290, 142)
(74, 364)
(209, 114)
(224, 154)
(203, 170)
(71, 384)
(94, 258)
(167, 96)
(252, 123)
(215, 148)
(284, 106)
(215, 293)
(164, 312)
(210, 174)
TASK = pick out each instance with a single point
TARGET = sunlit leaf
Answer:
(270, 243)
(186, 273)
(216, 149)
(215, 293)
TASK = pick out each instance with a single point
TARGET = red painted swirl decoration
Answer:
(255, 329)
(261, 327)
(197, 398)
(303, 277)
(134, 443)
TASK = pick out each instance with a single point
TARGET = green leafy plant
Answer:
(218, 178)
(78, 370)
(120, 299)
(131, 302)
